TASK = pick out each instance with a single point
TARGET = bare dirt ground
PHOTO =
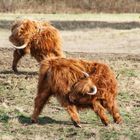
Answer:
(96, 40)
(118, 48)
(102, 41)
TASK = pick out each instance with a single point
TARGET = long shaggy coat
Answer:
(40, 39)
(73, 83)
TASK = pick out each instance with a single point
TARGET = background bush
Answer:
(70, 6)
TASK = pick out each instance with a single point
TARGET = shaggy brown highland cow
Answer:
(40, 39)
(77, 84)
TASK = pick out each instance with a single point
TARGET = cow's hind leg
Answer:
(40, 101)
(100, 111)
(72, 110)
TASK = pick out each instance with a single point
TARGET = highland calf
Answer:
(77, 84)
(40, 39)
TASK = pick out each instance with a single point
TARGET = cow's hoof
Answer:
(106, 123)
(76, 124)
(33, 120)
(119, 121)
(15, 69)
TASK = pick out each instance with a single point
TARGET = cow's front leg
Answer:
(100, 111)
(72, 110)
(17, 55)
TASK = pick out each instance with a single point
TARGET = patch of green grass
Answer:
(106, 135)
(3, 117)
(124, 96)
(128, 72)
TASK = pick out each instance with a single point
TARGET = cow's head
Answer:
(85, 85)
(83, 89)
(21, 33)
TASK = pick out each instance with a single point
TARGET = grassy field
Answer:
(17, 93)
(77, 17)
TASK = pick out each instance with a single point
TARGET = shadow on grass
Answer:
(19, 73)
(4, 118)
(41, 121)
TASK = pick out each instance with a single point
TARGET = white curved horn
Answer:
(20, 47)
(85, 73)
(94, 91)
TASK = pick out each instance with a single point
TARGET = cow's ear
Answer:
(15, 25)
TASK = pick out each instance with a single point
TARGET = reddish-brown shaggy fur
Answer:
(42, 39)
(64, 79)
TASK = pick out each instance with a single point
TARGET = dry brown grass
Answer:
(70, 6)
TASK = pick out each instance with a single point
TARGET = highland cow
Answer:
(78, 84)
(40, 39)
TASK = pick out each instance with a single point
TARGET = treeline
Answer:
(70, 6)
